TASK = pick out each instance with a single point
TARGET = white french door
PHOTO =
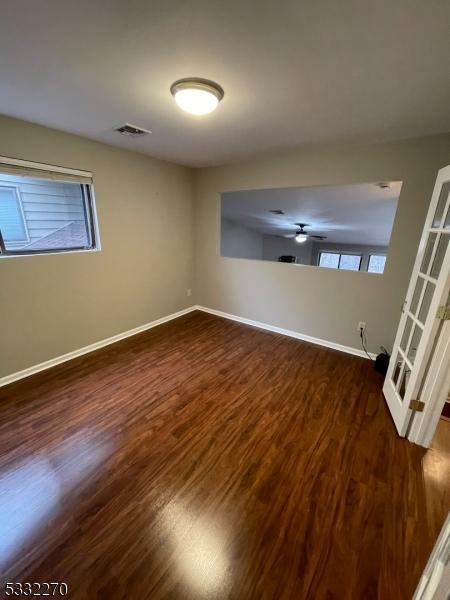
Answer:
(423, 310)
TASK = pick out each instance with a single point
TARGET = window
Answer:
(329, 259)
(350, 262)
(336, 260)
(376, 263)
(13, 223)
(45, 209)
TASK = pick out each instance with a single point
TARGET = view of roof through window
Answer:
(38, 214)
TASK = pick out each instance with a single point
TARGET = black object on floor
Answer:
(382, 363)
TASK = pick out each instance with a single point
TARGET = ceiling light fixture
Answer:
(196, 96)
(300, 238)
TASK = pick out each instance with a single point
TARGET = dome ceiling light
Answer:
(196, 96)
(301, 237)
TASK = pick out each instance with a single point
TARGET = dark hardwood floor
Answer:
(208, 459)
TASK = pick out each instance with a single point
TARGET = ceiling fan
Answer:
(301, 235)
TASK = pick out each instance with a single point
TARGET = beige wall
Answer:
(50, 305)
(239, 241)
(275, 246)
(323, 303)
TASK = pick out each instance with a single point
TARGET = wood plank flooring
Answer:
(208, 459)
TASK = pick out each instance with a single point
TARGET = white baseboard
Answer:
(288, 332)
(120, 336)
(86, 349)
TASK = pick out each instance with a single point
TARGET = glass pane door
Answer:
(427, 289)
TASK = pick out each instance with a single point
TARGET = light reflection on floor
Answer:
(28, 495)
(436, 474)
(31, 492)
(436, 462)
(199, 551)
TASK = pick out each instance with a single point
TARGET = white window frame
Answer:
(89, 206)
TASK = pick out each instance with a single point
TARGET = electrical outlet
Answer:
(189, 292)
(361, 326)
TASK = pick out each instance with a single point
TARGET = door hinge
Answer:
(417, 405)
(443, 312)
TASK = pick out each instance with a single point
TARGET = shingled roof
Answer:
(72, 235)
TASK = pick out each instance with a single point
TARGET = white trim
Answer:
(52, 253)
(398, 405)
(120, 336)
(288, 332)
(98, 244)
(6, 160)
(434, 392)
(86, 349)
(432, 582)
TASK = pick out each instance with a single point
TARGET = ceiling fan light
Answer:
(197, 96)
(300, 238)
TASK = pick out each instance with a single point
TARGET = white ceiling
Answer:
(346, 214)
(294, 72)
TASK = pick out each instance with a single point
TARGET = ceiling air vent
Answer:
(132, 130)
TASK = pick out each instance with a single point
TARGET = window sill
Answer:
(49, 253)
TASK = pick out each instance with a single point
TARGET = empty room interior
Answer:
(225, 300)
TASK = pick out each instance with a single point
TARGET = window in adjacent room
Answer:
(45, 209)
(329, 260)
(336, 260)
(376, 263)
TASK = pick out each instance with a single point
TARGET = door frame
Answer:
(434, 572)
(435, 389)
